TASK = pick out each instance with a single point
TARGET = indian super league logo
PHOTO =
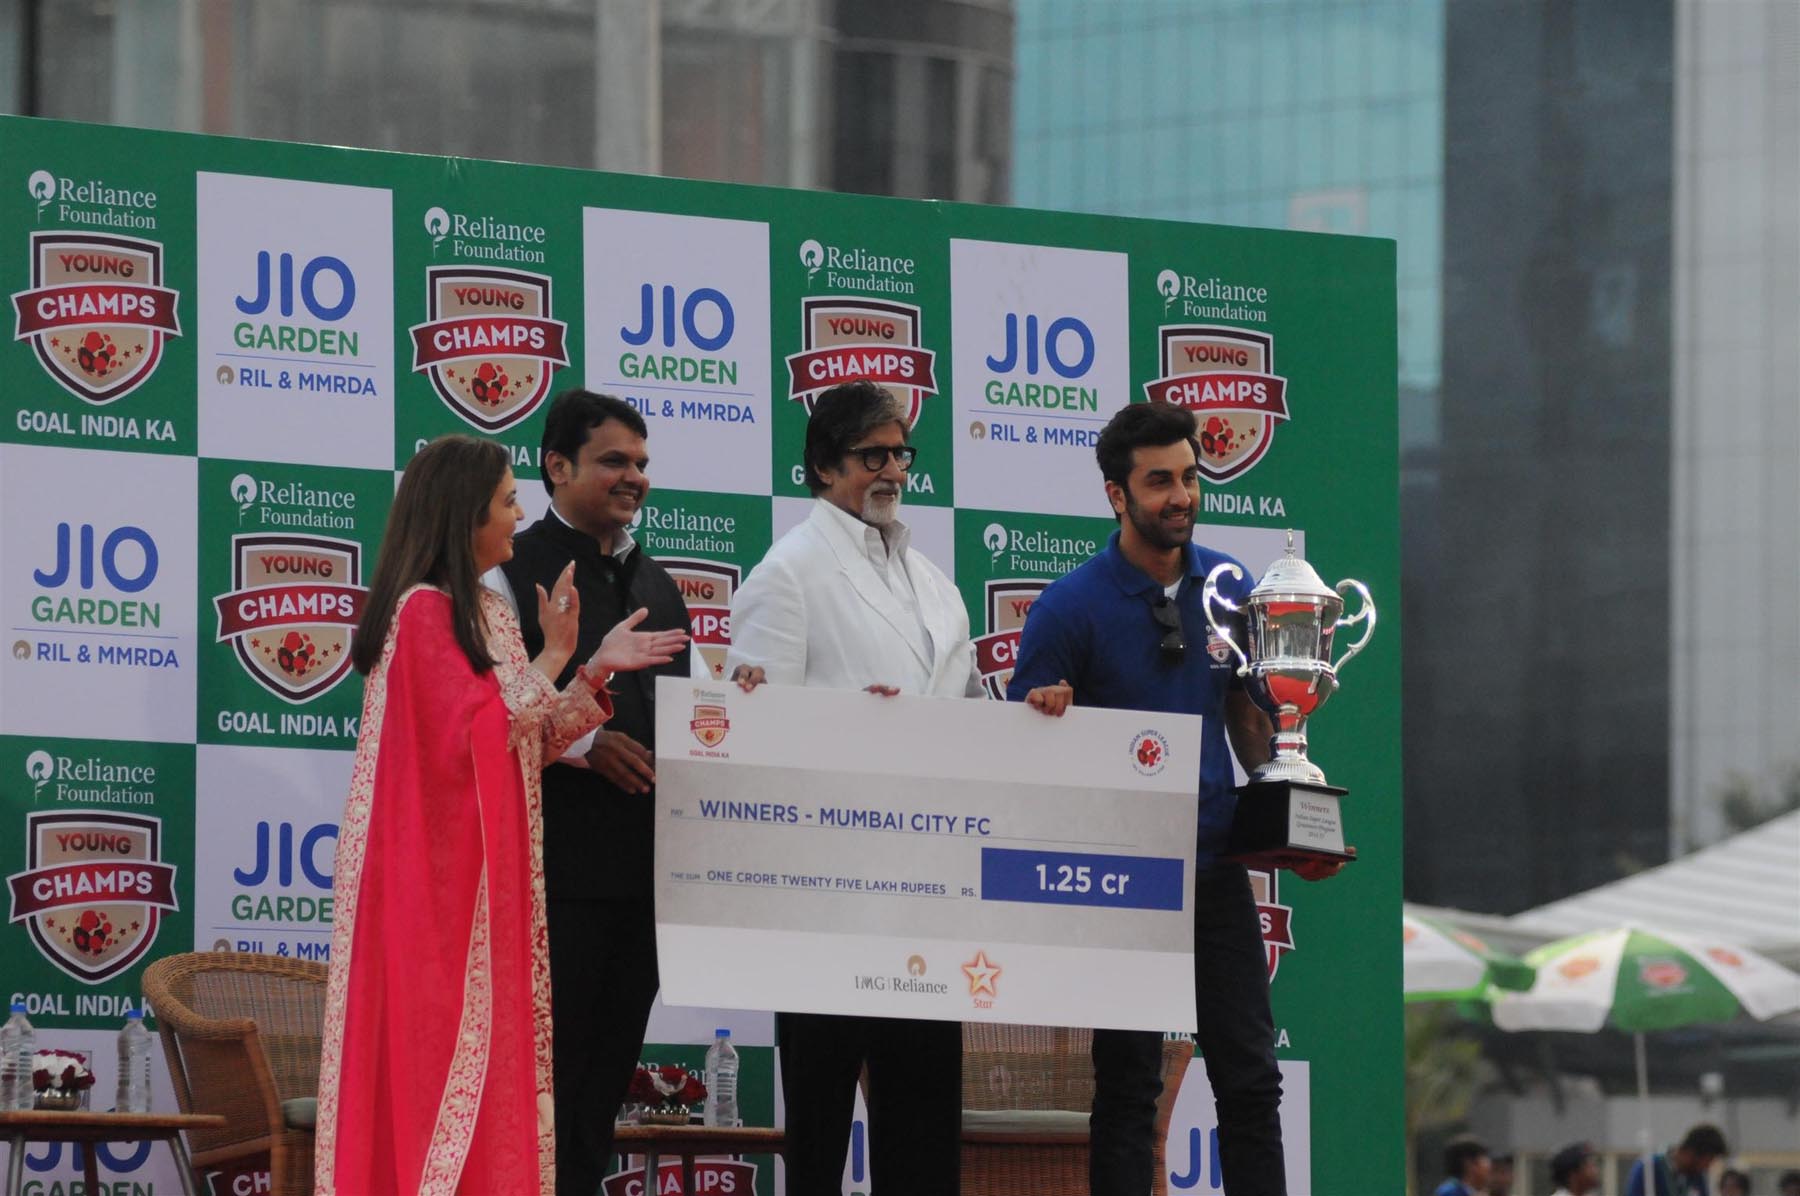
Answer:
(42, 185)
(40, 768)
(243, 492)
(1168, 284)
(437, 223)
(812, 256)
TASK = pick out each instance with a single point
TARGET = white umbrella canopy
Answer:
(1638, 980)
(1440, 962)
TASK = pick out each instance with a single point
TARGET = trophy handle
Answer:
(1364, 615)
(1211, 594)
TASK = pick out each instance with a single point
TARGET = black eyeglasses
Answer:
(875, 457)
(1168, 617)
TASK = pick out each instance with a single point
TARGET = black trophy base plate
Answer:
(1259, 832)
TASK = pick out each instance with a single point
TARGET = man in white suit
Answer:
(843, 602)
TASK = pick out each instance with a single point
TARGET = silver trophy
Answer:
(1289, 622)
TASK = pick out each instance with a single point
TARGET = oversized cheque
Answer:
(837, 852)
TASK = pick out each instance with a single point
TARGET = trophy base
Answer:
(1285, 823)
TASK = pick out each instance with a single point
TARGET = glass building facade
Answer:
(851, 95)
(1595, 215)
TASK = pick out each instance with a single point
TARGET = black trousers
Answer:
(602, 984)
(914, 1099)
(1236, 1036)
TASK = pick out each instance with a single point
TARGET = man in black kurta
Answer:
(598, 807)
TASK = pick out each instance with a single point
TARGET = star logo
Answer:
(982, 975)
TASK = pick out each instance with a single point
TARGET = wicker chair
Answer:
(1027, 1091)
(242, 1037)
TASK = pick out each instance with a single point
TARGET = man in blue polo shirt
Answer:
(1126, 630)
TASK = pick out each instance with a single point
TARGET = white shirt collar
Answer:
(878, 543)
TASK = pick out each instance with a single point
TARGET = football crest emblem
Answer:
(845, 338)
(1008, 602)
(706, 587)
(294, 603)
(1276, 920)
(96, 313)
(93, 890)
(710, 725)
(1225, 377)
(488, 343)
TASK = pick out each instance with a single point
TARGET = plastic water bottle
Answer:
(18, 1042)
(721, 1081)
(134, 1065)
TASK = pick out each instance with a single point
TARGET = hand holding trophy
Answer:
(1287, 815)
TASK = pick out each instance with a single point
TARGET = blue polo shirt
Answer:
(1093, 627)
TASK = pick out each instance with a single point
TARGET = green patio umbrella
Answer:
(1439, 962)
(1638, 980)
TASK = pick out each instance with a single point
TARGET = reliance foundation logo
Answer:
(93, 890)
(90, 779)
(292, 608)
(854, 268)
(485, 238)
(96, 313)
(92, 201)
(1225, 377)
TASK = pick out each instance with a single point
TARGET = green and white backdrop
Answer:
(225, 351)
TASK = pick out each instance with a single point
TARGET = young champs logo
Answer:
(93, 890)
(710, 725)
(1008, 602)
(706, 587)
(727, 1177)
(96, 312)
(846, 337)
(489, 343)
(1225, 377)
(293, 605)
(1275, 919)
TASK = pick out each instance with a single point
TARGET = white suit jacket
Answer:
(815, 612)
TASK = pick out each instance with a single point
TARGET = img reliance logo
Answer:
(96, 312)
(93, 889)
(1225, 377)
(489, 343)
(293, 606)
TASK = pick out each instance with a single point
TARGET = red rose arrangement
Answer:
(670, 1088)
(60, 1072)
(60, 1078)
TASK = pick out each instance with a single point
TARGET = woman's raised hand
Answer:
(626, 649)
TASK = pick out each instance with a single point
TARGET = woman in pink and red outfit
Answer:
(436, 1068)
